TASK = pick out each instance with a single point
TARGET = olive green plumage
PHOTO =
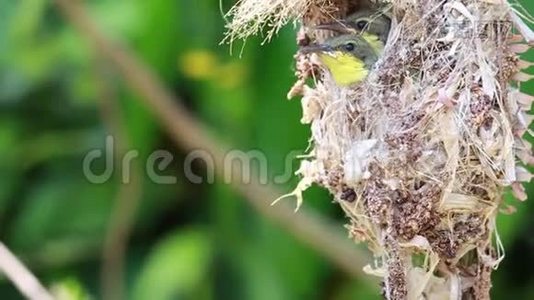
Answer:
(367, 21)
(350, 55)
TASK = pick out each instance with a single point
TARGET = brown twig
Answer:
(189, 134)
(128, 197)
(116, 241)
(21, 277)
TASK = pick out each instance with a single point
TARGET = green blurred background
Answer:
(59, 100)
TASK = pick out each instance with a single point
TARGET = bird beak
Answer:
(340, 26)
(316, 49)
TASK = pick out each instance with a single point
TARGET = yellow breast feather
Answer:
(374, 41)
(346, 69)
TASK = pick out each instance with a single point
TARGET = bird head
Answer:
(374, 26)
(348, 57)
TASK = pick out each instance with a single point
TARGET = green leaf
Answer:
(58, 209)
(70, 289)
(175, 268)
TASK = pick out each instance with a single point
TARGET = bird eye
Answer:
(349, 47)
(361, 25)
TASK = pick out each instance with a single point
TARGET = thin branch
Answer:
(128, 198)
(115, 244)
(21, 277)
(189, 134)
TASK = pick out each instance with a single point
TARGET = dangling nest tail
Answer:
(420, 154)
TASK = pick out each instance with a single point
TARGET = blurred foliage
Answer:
(189, 241)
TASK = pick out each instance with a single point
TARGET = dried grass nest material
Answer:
(420, 154)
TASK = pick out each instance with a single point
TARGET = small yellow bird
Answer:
(373, 25)
(348, 57)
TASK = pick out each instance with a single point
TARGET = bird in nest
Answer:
(353, 51)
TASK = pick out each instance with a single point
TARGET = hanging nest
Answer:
(420, 154)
